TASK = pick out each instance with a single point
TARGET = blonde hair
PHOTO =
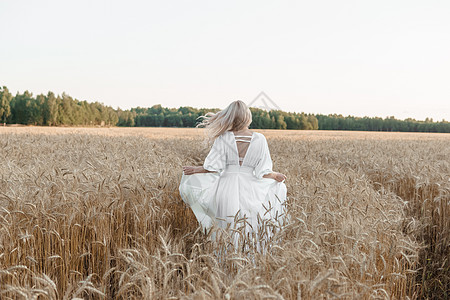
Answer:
(234, 117)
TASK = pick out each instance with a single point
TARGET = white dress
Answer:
(235, 191)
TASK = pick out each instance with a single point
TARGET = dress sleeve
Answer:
(216, 159)
(264, 165)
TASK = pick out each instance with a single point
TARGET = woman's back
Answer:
(240, 150)
(240, 191)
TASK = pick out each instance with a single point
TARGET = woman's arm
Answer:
(189, 170)
(275, 175)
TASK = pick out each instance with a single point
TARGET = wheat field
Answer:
(95, 213)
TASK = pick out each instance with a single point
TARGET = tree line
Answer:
(158, 116)
(63, 110)
(53, 110)
(339, 122)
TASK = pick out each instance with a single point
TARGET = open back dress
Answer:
(237, 189)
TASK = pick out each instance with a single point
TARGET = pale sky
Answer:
(362, 58)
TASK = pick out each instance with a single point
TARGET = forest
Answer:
(63, 110)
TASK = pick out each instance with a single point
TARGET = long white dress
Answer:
(235, 191)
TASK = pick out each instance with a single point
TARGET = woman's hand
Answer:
(189, 170)
(277, 176)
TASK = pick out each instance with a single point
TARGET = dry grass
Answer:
(95, 213)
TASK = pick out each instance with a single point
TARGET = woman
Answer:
(236, 181)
